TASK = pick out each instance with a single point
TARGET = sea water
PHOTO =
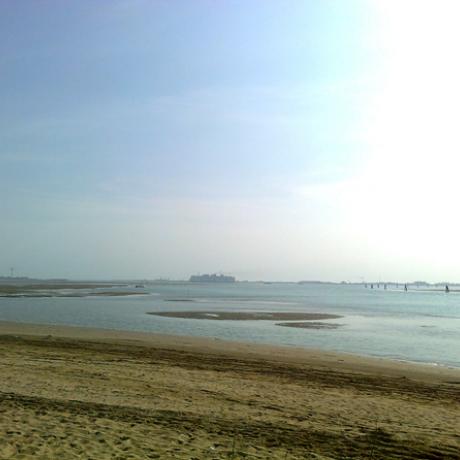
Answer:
(417, 325)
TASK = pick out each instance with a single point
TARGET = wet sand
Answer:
(70, 393)
(245, 316)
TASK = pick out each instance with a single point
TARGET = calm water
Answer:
(415, 325)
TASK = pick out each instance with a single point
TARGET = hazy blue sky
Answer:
(267, 139)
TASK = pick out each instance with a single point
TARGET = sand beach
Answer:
(76, 393)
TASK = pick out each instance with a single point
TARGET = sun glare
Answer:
(412, 174)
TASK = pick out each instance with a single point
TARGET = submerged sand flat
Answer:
(311, 325)
(241, 316)
(74, 393)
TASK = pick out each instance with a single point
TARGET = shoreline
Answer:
(432, 372)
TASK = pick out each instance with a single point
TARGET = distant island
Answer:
(214, 278)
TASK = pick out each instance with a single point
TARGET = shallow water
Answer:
(417, 326)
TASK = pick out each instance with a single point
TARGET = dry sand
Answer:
(74, 393)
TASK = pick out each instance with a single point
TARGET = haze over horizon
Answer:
(268, 140)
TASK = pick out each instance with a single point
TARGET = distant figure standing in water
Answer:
(405, 287)
(447, 288)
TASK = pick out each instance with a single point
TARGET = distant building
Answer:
(214, 278)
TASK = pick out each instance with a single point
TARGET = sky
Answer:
(275, 140)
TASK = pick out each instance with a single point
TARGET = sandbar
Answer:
(245, 316)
